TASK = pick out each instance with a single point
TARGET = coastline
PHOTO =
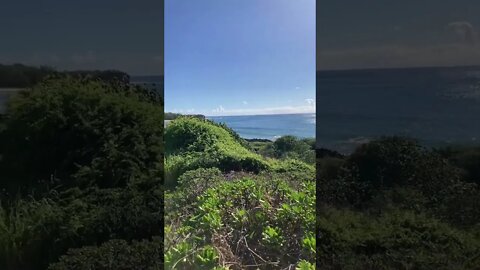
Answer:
(254, 139)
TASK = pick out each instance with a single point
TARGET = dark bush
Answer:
(465, 158)
(79, 132)
(39, 231)
(114, 255)
(394, 240)
(395, 161)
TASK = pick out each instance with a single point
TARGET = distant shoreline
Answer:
(210, 116)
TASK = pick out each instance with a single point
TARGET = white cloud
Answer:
(219, 109)
(465, 31)
(297, 87)
(245, 102)
(310, 101)
(400, 56)
(262, 111)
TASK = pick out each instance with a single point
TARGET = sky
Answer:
(90, 34)
(353, 34)
(239, 57)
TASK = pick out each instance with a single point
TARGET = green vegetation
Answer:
(228, 207)
(393, 204)
(81, 174)
(172, 116)
(286, 147)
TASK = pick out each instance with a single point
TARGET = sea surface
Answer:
(437, 106)
(270, 126)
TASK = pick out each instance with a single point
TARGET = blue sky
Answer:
(239, 57)
(392, 33)
(87, 34)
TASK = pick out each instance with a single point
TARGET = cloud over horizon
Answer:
(465, 32)
(309, 107)
(393, 56)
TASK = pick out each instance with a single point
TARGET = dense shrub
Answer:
(28, 229)
(267, 224)
(36, 232)
(231, 207)
(114, 255)
(86, 155)
(194, 183)
(286, 147)
(391, 161)
(194, 143)
(79, 132)
(393, 204)
(394, 240)
(465, 158)
(384, 164)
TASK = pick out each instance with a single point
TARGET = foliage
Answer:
(79, 132)
(193, 143)
(114, 255)
(269, 223)
(465, 158)
(393, 204)
(81, 170)
(394, 240)
(173, 116)
(39, 231)
(230, 207)
(286, 147)
(391, 161)
(27, 228)
(384, 164)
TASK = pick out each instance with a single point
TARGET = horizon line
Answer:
(390, 68)
(259, 114)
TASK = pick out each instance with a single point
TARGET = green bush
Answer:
(79, 132)
(465, 158)
(393, 240)
(195, 143)
(291, 147)
(387, 163)
(393, 204)
(28, 229)
(391, 161)
(249, 222)
(37, 232)
(114, 255)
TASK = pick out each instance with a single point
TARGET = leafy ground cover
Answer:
(394, 204)
(228, 207)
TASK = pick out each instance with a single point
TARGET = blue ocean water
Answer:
(270, 126)
(437, 106)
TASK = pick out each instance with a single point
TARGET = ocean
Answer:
(437, 106)
(270, 126)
